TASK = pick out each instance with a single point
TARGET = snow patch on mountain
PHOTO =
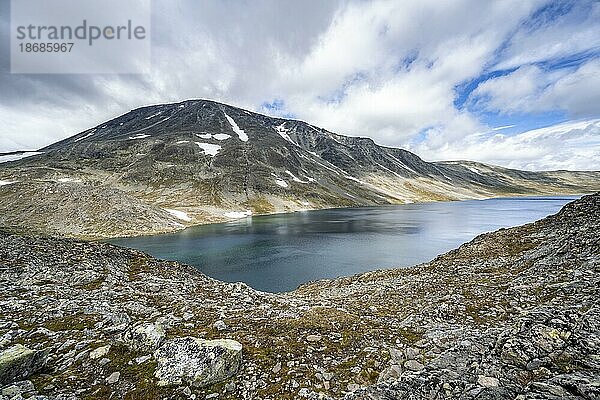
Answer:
(280, 129)
(140, 136)
(154, 115)
(65, 180)
(236, 129)
(209, 149)
(218, 136)
(281, 183)
(178, 214)
(238, 214)
(86, 136)
(4, 183)
(296, 179)
(14, 157)
(354, 179)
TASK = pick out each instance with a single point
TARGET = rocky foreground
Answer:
(511, 314)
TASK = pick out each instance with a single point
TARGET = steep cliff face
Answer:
(200, 161)
(511, 314)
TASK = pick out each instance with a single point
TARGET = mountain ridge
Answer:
(200, 161)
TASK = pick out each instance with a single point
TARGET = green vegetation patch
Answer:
(259, 205)
(75, 322)
(138, 265)
(92, 285)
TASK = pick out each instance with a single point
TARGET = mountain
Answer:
(163, 167)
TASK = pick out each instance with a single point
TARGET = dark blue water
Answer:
(279, 252)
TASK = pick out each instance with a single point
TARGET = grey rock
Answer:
(113, 378)
(18, 362)
(411, 353)
(352, 387)
(142, 359)
(99, 352)
(18, 389)
(230, 387)
(196, 361)
(220, 325)
(487, 381)
(277, 367)
(144, 337)
(397, 356)
(394, 371)
(413, 365)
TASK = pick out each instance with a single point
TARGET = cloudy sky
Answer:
(515, 83)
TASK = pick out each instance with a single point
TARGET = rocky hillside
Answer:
(164, 167)
(511, 314)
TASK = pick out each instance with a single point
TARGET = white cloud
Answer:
(500, 128)
(384, 69)
(510, 93)
(354, 81)
(576, 31)
(577, 93)
(531, 89)
(571, 145)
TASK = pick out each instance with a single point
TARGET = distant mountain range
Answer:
(161, 168)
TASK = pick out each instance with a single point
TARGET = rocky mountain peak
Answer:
(162, 167)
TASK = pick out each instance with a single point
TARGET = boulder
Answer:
(392, 372)
(18, 390)
(413, 365)
(145, 337)
(487, 381)
(113, 378)
(18, 362)
(196, 361)
(313, 338)
(220, 325)
(99, 352)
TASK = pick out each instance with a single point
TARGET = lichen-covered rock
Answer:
(392, 372)
(196, 361)
(17, 390)
(145, 337)
(18, 362)
(99, 352)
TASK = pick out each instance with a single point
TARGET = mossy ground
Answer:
(259, 205)
(77, 322)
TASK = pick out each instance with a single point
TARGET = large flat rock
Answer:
(196, 361)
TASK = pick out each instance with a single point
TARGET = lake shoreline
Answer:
(225, 221)
(277, 253)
